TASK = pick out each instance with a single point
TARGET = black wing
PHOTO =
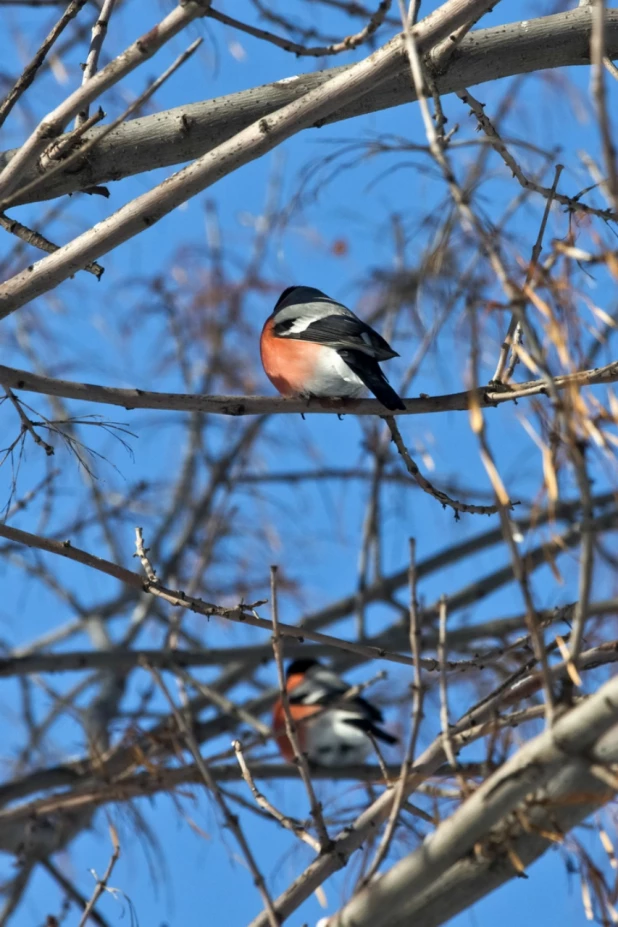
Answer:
(341, 332)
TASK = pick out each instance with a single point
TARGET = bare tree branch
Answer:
(53, 124)
(486, 397)
(189, 131)
(102, 883)
(99, 31)
(568, 798)
(39, 241)
(252, 142)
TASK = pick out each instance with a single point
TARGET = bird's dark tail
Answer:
(379, 734)
(368, 370)
(364, 724)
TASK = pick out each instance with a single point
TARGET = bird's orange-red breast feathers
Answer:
(288, 364)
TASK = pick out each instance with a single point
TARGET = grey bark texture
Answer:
(548, 781)
(178, 135)
(472, 879)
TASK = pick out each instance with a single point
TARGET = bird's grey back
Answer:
(309, 304)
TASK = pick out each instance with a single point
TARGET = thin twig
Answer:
(226, 705)
(417, 715)
(347, 44)
(13, 890)
(513, 335)
(142, 554)
(27, 425)
(444, 499)
(516, 300)
(244, 614)
(371, 532)
(571, 202)
(610, 67)
(101, 885)
(290, 727)
(477, 424)
(469, 218)
(39, 241)
(20, 504)
(386, 780)
(71, 891)
(361, 687)
(605, 775)
(597, 55)
(577, 452)
(289, 823)
(415, 647)
(99, 31)
(61, 146)
(449, 748)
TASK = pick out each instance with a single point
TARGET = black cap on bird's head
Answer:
(299, 294)
(300, 667)
(286, 292)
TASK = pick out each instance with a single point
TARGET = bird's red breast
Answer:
(288, 363)
(299, 714)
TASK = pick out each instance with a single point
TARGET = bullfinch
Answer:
(332, 730)
(311, 345)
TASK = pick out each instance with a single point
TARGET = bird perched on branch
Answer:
(331, 729)
(311, 345)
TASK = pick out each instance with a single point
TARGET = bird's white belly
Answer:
(332, 742)
(333, 377)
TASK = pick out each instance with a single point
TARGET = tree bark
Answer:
(569, 799)
(548, 781)
(186, 132)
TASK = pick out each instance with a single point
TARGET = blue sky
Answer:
(203, 880)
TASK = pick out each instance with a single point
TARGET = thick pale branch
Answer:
(251, 143)
(187, 132)
(571, 796)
